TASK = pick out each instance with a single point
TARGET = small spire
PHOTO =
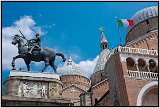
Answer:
(104, 42)
(103, 38)
(69, 62)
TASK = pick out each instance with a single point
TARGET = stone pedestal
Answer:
(34, 74)
(31, 86)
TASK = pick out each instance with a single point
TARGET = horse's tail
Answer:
(60, 54)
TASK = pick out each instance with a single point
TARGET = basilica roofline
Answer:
(98, 84)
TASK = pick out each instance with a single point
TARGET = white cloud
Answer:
(27, 25)
(88, 65)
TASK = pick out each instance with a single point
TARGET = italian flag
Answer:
(124, 22)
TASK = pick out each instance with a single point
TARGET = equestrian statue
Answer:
(30, 50)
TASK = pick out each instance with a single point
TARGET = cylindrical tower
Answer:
(75, 81)
(144, 33)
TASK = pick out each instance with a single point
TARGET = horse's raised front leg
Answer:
(46, 64)
(13, 61)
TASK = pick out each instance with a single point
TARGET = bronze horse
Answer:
(43, 54)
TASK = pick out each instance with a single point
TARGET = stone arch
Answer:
(142, 65)
(153, 66)
(149, 90)
(131, 64)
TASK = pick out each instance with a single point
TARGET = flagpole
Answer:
(119, 33)
(119, 36)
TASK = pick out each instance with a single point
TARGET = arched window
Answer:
(152, 66)
(131, 64)
(148, 96)
(142, 65)
(151, 97)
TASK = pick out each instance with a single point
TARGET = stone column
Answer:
(138, 74)
(137, 66)
(147, 65)
(149, 75)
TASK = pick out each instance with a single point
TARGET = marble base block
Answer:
(34, 74)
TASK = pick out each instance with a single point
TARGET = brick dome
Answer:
(143, 15)
(145, 21)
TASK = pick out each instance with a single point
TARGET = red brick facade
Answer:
(150, 42)
(99, 90)
(132, 72)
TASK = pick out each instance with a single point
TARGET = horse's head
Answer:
(16, 39)
(19, 39)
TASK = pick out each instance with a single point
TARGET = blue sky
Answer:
(69, 26)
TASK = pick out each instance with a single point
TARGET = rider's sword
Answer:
(21, 33)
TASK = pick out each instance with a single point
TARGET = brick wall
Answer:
(96, 77)
(142, 28)
(77, 80)
(133, 88)
(99, 90)
(127, 88)
(150, 42)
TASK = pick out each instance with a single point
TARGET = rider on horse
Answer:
(34, 43)
(44, 54)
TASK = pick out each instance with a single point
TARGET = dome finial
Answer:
(101, 29)
(69, 62)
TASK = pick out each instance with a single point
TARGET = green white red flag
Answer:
(124, 22)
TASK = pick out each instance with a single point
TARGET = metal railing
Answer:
(143, 75)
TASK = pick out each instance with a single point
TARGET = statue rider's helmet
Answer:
(16, 35)
(37, 35)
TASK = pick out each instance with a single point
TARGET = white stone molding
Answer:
(123, 58)
(35, 74)
(146, 88)
(142, 75)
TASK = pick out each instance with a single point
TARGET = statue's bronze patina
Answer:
(30, 50)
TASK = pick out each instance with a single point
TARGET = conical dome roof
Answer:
(103, 38)
(70, 68)
(104, 53)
